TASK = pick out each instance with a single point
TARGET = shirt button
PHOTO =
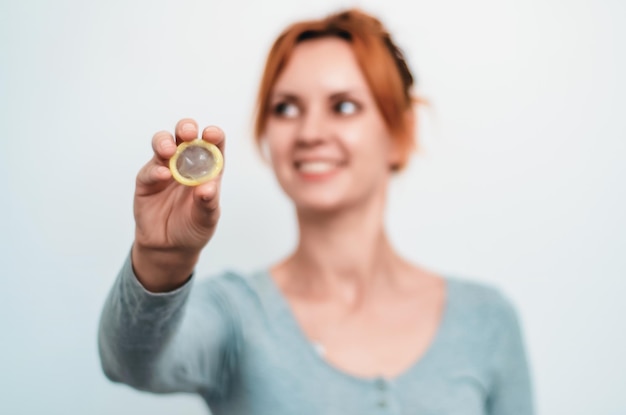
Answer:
(381, 384)
(382, 404)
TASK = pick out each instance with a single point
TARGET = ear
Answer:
(402, 142)
(395, 154)
(263, 148)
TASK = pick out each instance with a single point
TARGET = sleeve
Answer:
(179, 341)
(511, 391)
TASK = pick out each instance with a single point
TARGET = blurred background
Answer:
(519, 180)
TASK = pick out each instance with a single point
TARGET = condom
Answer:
(196, 162)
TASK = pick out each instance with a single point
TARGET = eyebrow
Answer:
(294, 98)
(342, 94)
(285, 96)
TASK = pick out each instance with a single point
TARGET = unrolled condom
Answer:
(196, 162)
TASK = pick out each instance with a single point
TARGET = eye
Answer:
(346, 107)
(286, 110)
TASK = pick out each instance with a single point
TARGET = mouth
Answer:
(317, 170)
(316, 166)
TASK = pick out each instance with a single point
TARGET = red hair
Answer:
(380, 60)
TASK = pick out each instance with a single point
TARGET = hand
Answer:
(172, 222)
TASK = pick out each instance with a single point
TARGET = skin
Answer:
(374, 312)
(172, 222)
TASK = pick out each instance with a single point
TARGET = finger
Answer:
(186, 130)
(152, 174)
(215, 135)
(207, 201)
(163, 146)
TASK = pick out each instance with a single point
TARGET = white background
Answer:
(519, 181)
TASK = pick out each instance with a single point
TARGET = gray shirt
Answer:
(234, 340)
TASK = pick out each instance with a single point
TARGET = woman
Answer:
(343, 325)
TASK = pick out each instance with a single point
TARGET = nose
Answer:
(313, 127)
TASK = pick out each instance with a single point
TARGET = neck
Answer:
(345, 253)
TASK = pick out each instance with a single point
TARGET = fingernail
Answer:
(188, 127)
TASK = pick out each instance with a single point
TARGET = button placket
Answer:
(382, 398)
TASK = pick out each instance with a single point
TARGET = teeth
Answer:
(316, 166)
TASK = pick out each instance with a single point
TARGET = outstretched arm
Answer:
(179, 341)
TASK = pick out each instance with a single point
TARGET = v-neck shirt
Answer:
(233, 339)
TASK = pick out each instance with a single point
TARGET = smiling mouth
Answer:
(316, 167)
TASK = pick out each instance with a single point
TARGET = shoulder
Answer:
(481, 302)
(479, 295)
(232, 288)
(230, 283)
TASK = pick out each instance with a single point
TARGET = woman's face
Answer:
(328, 143)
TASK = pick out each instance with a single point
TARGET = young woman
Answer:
(343, 325)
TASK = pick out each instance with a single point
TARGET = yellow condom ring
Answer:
(196, 162)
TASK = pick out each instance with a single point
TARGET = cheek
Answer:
(277, 140)
(370, 145)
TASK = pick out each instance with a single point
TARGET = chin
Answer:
(329, 204)
(317, 205)
(323, 196)
(322, 205)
